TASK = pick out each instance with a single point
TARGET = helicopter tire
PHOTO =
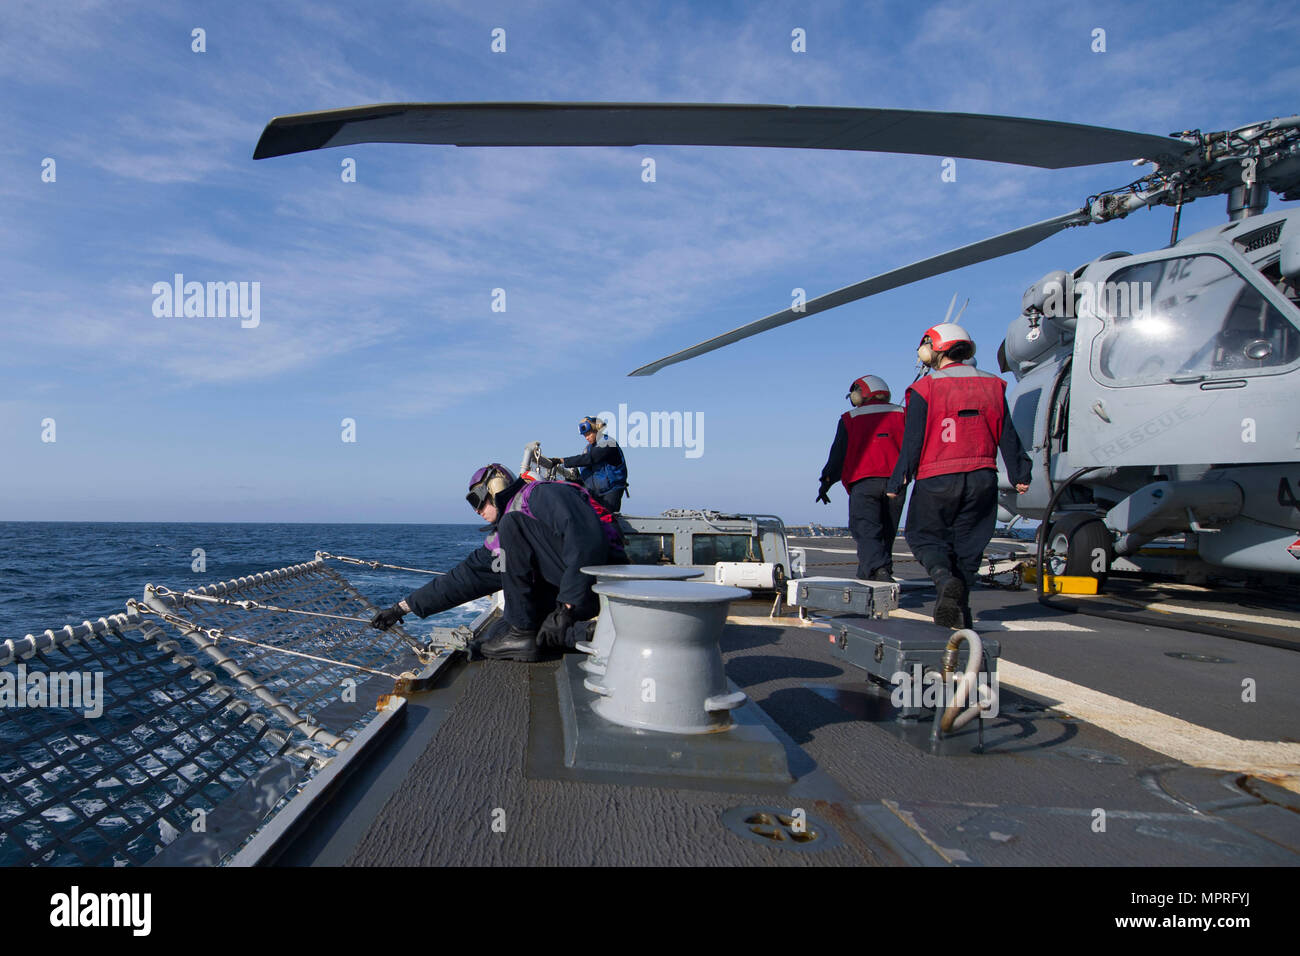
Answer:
(1079, 536)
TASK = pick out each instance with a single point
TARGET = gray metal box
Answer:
(844, 596)
(889, 646)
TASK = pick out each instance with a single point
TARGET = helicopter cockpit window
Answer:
(1193, 315)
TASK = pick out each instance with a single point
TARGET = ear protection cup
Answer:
(925, 354)
(961, 351)
(867, 389)
(497, 484)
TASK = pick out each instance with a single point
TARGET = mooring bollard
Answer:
(602, 640)
(664, 671)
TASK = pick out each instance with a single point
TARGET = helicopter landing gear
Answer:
(1080, 544)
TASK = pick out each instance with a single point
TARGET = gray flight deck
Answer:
(477, 775)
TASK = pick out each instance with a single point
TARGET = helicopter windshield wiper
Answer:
(1046, 144)
(985, 249)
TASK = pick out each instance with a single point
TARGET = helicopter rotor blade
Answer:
(1003, 139)
(985, 249)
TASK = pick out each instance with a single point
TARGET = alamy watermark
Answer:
(656, 429)
(127, 910)
(927, 688)
(210, 300)
(1120, 299)
(60, 690)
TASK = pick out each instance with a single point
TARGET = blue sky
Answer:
(376, 295)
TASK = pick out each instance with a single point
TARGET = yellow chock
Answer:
(1070, 584)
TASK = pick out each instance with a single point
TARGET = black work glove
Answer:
(821, 492)
(387, 618)
(556, 625)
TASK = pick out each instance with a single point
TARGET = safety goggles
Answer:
(478, 496)
(585, 428)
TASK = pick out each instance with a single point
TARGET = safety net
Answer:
(172, 732)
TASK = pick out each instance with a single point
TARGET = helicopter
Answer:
(1156, 391)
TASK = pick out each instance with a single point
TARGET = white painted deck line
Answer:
(1224, 615)
(990, 626)
(1183, 741)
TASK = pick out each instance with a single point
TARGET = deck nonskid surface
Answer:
(490, 788)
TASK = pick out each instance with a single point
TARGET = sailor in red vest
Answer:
(862, 458)
(957, 422)
(543, 534)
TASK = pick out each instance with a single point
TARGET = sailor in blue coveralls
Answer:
(601, 468)
(544, 533)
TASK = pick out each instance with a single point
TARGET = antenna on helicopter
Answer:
(947, 315)
(956, 320)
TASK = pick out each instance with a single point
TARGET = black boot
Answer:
(496, 629)
(952, 595)
(881, 574)
(967, 582)
(514, 645)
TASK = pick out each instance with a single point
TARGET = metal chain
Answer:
(325, 555)
(1015, 575)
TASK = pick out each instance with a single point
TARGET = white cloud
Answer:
(404, 259)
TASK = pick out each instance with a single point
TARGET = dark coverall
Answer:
(541, 558)
(594, 458)
(873, 517)
(951, 517)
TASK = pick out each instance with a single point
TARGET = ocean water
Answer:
(57, 573)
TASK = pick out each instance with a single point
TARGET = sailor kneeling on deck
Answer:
(543, 534)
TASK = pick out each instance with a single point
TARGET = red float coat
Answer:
(964, 419)
(875, 435)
